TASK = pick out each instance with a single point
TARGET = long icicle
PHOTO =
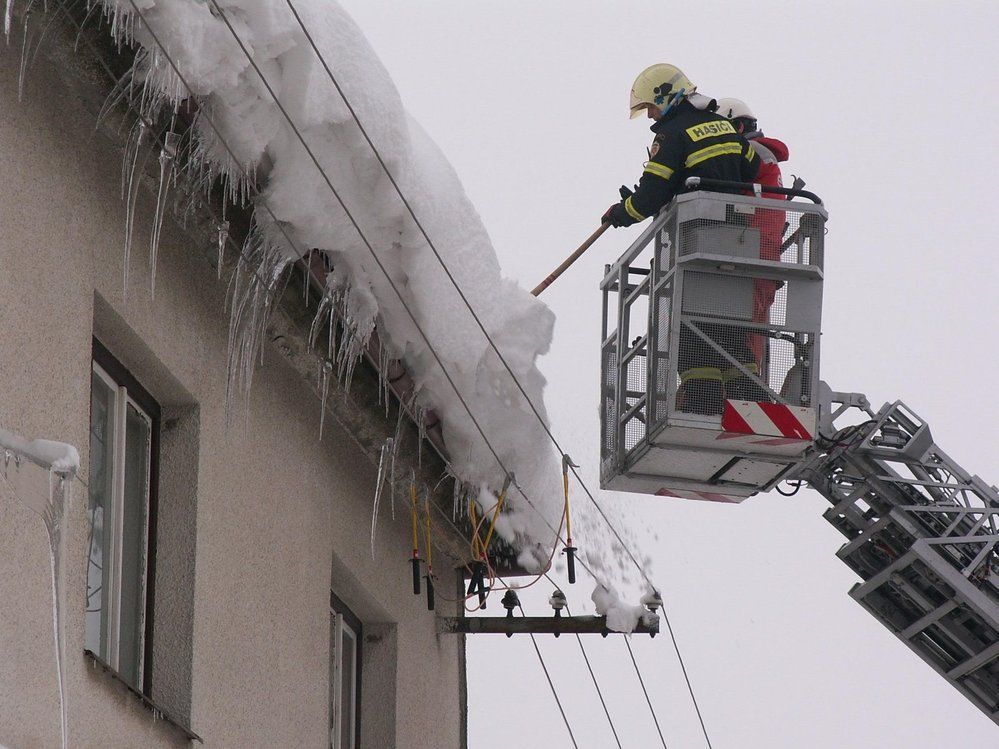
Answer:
(130, 190)
(379, 486)
(167, 159)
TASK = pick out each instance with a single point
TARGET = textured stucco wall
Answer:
(272, 516)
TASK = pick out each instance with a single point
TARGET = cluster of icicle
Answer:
(62, 462)
(218, 122)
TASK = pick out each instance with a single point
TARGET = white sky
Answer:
(889, 110)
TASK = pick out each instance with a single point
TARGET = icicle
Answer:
(7, 15)
(130, 190)
(60, 497)
(317, 320)
(223, 236)
(307, 275)
(385, 389)
(379, 486)
(23, 69)
(92, 10)
(396, 441)
(330, 344)
(168, 157)
(421, 426)
(324, 385)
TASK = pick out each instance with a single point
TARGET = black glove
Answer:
(617, 216)
(626, 192)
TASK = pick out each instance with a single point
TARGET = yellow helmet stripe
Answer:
(659, 170)
(719, 149)
(631, 210)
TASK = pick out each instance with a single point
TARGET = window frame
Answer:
(105, 366)
(341, 616)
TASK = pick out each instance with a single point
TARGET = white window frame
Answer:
(115, 524)
(338, 625)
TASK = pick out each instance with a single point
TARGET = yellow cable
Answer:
(416, 537)
(565, 510)
(492, 523)
(430, 548)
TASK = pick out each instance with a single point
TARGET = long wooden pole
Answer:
(569, 260)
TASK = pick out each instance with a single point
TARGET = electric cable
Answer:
(230, 241)
(363, 237)
(551, 683)
(593, 676)
(478, 321)
(452, 279)
(655, 719)
(224, 17)
(646, 693)
(395, 289)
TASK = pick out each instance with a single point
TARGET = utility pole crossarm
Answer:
(549, 625)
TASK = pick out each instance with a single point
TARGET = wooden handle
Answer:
(569, 260)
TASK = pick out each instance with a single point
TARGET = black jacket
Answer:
(689, 142)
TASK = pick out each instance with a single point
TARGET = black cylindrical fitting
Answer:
(570, 563)
(415, 561)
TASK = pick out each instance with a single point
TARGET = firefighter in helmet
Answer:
(770, 224)
(691, 140)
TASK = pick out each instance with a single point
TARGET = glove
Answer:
(626, 192)
(617, 216)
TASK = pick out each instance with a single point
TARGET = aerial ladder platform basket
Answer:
(710, 347)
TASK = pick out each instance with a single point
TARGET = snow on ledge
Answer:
(59, 457)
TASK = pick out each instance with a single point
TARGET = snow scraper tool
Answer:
(569, 260)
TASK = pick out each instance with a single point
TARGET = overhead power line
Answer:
(454, 283)
(551, 684)
(173, 65)
(478, 321)
(395, 289)
(646, 693)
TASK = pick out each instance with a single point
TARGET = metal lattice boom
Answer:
(922, 535)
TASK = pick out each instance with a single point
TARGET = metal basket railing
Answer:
(719, 297)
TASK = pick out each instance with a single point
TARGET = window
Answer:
(345, 675)
(124, 427)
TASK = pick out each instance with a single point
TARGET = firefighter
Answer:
(691, 140)
(770, 224)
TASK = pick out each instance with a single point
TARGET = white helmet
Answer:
(734, 109)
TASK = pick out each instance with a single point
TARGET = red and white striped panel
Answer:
(785, 423)
(704, 496)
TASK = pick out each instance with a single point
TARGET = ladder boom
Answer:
(921, 533)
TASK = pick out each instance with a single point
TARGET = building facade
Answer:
(220, 581)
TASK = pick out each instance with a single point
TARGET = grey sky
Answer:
(889, 111)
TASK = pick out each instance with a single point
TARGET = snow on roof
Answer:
(297, 211)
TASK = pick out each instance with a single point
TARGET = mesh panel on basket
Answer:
(609, 378)
(659, 392)
(720, 238)
(634, 427)
(718, 295)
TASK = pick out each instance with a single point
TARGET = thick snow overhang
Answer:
(374, 404)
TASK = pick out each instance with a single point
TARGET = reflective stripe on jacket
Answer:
(690, 142)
